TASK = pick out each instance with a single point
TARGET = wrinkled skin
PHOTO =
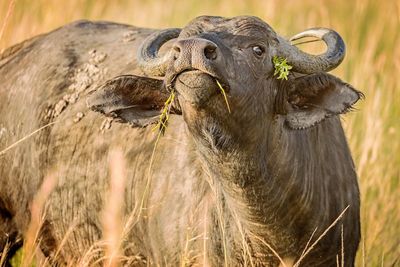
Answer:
(225, 187)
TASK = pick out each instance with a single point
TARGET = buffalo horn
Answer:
(307, 63)
(148, 59)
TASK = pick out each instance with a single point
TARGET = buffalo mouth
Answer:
(197, 86)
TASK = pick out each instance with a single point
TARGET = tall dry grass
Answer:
(37, 214)
(112, 224)
(371, 31)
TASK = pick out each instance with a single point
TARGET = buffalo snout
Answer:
(195, 53)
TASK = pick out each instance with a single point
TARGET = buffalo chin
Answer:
(196, 87)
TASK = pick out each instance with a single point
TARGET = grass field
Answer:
(371, 30)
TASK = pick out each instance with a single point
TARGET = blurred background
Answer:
(371, 30)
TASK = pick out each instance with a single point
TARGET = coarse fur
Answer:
(223, 188)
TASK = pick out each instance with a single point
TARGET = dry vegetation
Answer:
(371, 31)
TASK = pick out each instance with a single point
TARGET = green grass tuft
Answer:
(281, 67)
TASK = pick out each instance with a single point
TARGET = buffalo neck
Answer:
(271, 185)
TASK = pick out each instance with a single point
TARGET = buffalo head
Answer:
(237, 55)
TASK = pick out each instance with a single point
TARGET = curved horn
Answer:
(148, 59)
(306, 63)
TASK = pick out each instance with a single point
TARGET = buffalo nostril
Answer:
(177, 49)
(210, 51)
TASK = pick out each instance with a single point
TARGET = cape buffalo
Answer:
(256, 184)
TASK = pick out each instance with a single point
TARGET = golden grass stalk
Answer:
(224, 94)
(31, 240)
(205, 235)
(342, 244)
(164, 116)
(112, 215)
(10, 9)
(64, 240)
(135, 215)
(282, 262)
(2, 152)
(308, 242)
(246, 252)
(320, 237)
(3, 254)
(161, 126)
(92, 256)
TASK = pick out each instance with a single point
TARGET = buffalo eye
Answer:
(258, 50)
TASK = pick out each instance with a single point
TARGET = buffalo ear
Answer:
(312, 98)
(129, 98)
